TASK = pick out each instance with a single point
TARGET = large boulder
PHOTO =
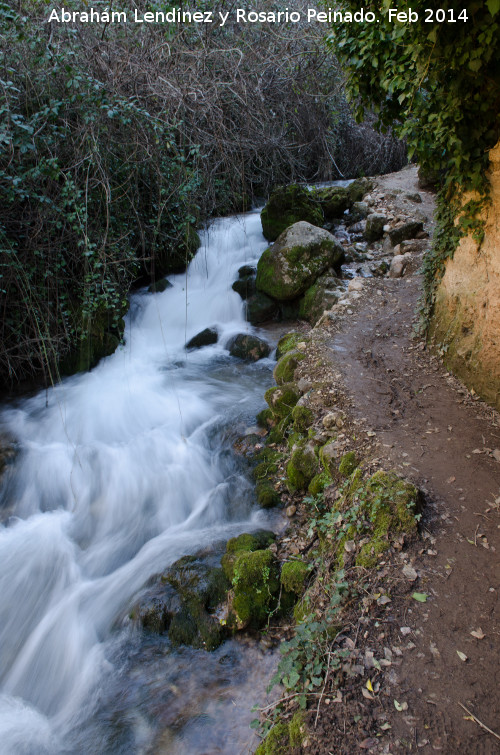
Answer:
(292, 264)
(288, 205)
(250, 348)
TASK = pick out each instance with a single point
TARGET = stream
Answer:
(118, 473)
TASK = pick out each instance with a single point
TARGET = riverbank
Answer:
(413, 637)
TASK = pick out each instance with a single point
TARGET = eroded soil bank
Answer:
(421, 673)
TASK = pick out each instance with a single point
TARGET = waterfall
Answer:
(119, 472)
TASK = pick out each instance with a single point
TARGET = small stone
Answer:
(356, 284)
(410, 573)
(398, 265)
(291, 511)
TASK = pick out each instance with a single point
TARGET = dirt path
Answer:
(435, 433)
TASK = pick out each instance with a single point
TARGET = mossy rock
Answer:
(388, 506)
(348, 464)
(284, 738)
(285, 369)
(291, 265)
(319, 482)
(256, 585)
(302, 418)
(265, 418)
(358, 188)
(320, 296)
(302, 467)
(288, 205)
(289, 342)
(247, 542)
(293, 576)
(282, 398)
(328, 456)
(334, 201)
(267, 496)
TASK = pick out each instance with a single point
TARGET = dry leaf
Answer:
(450, 480)
(400, 706)
(367, 744)
(478, 634)
(462, 656)
(366, 694)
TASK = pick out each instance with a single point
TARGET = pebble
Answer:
(291, 511)
(356, 284)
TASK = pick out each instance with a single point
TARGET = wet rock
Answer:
(206, 337)
(288, 205)
(157, 287)
(405, 231)
(290, 511)
(374, 229)
(245, 270)
(248, 347)
(260, 308)
(245, 286)
(300, 255)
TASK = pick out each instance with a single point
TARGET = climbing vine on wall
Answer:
(436, 81)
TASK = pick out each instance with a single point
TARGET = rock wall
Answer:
(466, 321)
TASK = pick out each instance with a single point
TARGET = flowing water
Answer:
(119, 472)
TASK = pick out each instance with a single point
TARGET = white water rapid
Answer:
(122, 472)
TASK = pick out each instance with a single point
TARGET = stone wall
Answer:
(466, 321)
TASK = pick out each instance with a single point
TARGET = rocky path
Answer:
(434, 432)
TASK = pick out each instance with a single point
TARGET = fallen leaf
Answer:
(369, 686)
(496, 454)
(421, 597)
(385, 727)
(462, 656)
(383, 600)
(450, 480)
(367, 744)
(477, 451)
(478, 634)
(400, 706)
(366, 694)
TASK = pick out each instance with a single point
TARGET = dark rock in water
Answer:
(288, 205)
(261, 308)
(247, 270)
(182, 601)
(406, 231)
(250, 348)
(245, 286)
(159, 286)
(206, 338)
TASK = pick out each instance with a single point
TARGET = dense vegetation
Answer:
(437, 83)
(117, 140)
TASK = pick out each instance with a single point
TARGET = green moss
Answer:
(294, 575)
(302, 418)
(358, 189)
(277, 741)
(282, 399)
(348, 464)
(302, 467)
(288, 342)
(256, 584)
(267, 496)
(265, 418)
(328, 455)
(285, 368)
(297, 729)
(288, 205)
(333, 200)
(247, 542)
(319, 482)
(379, 509)
(323, 294)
